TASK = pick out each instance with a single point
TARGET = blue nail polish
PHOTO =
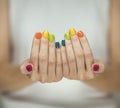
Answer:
(57, 44)
(63, 42)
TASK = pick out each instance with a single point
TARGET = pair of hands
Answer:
(50, 61)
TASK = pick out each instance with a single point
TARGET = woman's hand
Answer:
(78, 61)
(45, 63)
(73, 59)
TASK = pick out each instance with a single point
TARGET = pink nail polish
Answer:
(95, 67)
(29, 68)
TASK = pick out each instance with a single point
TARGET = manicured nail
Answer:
(57, 44)
(29, 68)
(72, 31)
(67, 36)
(80, 34)
(46, 34)
(38, 35)
(63, 42)
(96, 67)
(51, 37)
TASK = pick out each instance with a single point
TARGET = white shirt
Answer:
(29, 16)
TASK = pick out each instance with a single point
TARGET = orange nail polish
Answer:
(80, 34)
(38, 35)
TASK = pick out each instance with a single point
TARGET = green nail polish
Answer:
(67, 36)
(51, 37)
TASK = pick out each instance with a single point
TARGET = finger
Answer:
(78, 51)
(98, 67)
(34, 57)
(64, 59)
(70, 57)
(87, 53)
(26, 68)
(51, 61)
(58, 62)
(43, 57)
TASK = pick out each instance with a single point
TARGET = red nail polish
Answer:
(95, 67)
(80, 34)
(29, 68)
(38, 35)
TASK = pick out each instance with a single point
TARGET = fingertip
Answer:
(63, 43)
(98, 67)
(80, 34)
(38, 35)
(29, 67)
(51, 38)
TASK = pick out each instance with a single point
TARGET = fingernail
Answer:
(46, 33)
(57, 44)
(38, 35)
(51, 37)
(80, 34)
(67, 36)
(95, 67)
(63, 42)
(72, 31)
(29, 68)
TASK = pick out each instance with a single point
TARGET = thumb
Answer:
(27, 67)
(98, 66)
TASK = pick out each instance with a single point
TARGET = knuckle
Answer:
(84, 40)
(51, 45)
(63, 50)
(35, 42)
(42, 58)
(64, 62)
(65, 74)
(58, 79)
(75, 38)
(88, 76)
(88, 54)
(79, 55)
(59, 63)
(34, 58)
(43, 81)
(72, 59)
(51, 62)
(69, 44)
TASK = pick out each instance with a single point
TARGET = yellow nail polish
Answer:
(46, 34)
(72, 31)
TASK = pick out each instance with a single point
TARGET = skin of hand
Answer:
(74, 60)
(78, 61)
(47, 67)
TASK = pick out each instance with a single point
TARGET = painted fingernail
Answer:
(51, 37)
(63, 42)
(57, 44)
(38, 35)
(80, 34)
(67, 36)
(29, 68)
(72, 31)
(96, 67)
(46, 34)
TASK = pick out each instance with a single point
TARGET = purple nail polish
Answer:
(29, 68)
(96, 67)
